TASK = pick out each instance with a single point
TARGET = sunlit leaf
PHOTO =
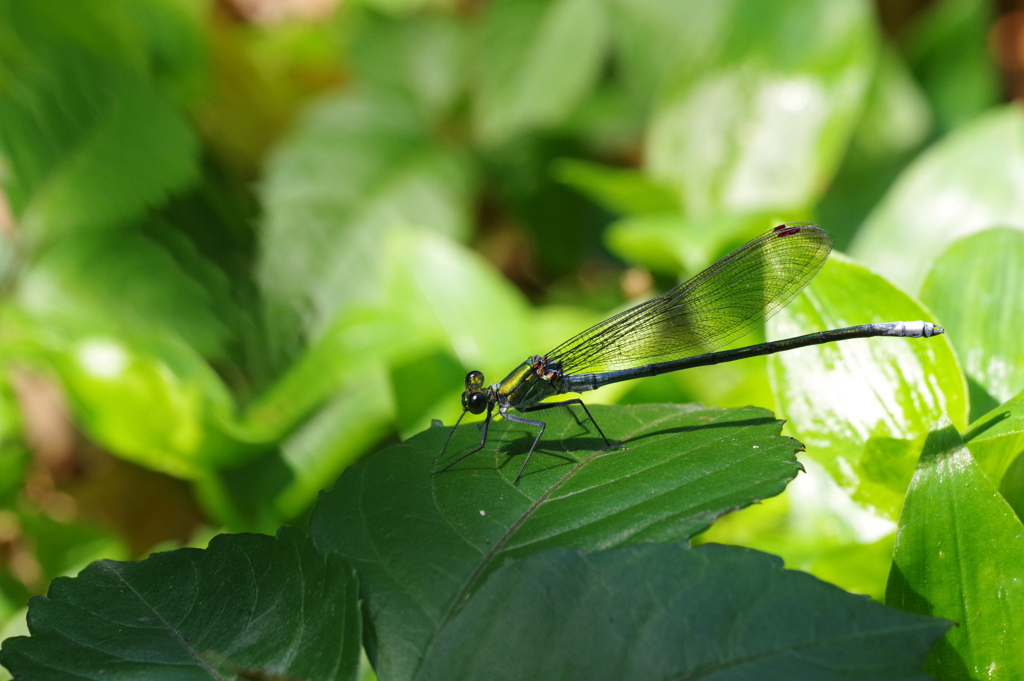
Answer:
(977, 290)
(997, 438)
(666, 611)
(759, 121)
(434, 294)
(537, 60)
(436, 297)
(621, 190)
(422, 58)
(680, 468)
(863, 407)
(672, 244)
(357, 418)
(126, 283)
(969, 181)
(154, 405)
(659, 42)
(896, 122)
(409, 7)
(1011, 487)
(249, 606)
(960, 555)
(357, 166)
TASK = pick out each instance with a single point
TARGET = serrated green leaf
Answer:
(863, 406)
(249, 606)
(976, 289)
(90, 143)
(537, 60)
(960, 555)
(657, 611)
(760, 121)
(997, 438)
(969, 181)
(681, 467)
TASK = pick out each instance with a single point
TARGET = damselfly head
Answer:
(473, 399)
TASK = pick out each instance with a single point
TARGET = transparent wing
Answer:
(722, 303)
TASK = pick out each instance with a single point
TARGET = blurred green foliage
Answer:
(237, 256)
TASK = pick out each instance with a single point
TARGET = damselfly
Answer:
(679, 329)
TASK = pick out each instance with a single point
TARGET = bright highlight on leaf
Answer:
(862, 407)
(967, 182)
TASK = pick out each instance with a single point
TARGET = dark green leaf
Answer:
(424, 544)
(248, 607)
(976, 290)
(537, 60)
(967, 182)
(863, 406)
(14, 452)
(658, 611)
(960, 555)
(949, 49)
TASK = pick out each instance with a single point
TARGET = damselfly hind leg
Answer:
(541, 426)
(566, 403)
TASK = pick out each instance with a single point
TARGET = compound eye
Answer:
(474, 381)
(476, 403)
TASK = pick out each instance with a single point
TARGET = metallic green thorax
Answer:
(529, 383)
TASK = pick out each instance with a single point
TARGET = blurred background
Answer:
(244, 243)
